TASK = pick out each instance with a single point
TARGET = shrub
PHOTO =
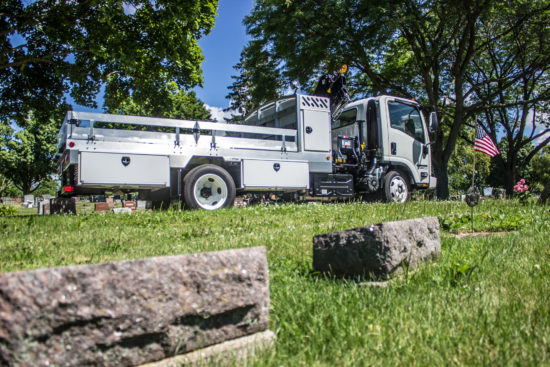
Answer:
(6, 210)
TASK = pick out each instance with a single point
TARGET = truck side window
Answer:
(406, 118)
(347, 117)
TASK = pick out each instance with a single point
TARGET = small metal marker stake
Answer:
(472, 199)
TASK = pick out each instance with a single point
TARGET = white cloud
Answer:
(218, 113)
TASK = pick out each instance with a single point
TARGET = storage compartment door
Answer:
(316, 130)
(100, 169)
(273, 175)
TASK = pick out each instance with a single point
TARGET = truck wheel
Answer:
(396, 187)
(208, 187)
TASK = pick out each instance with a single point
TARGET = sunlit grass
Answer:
(486, 301)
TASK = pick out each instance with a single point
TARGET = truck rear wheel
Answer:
(396, 187)
(208, 187)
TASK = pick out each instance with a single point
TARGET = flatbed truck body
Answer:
(289, 145)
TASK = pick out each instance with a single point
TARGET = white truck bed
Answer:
(110, 153)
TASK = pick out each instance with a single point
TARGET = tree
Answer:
(518, 147)
(5, 136)
(258, 80)
(511, 81)
(28, 157)
(412, 48)
(48, 48)
(4, 184)
(178, 104)
(11, 191)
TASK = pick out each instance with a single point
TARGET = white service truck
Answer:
(375, 145)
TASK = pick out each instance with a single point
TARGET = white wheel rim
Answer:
(398, 190)
(210, 191)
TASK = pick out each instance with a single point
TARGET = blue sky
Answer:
(222, 49)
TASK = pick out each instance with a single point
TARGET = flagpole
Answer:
(474, 171)
(483, 144)
(474, 165)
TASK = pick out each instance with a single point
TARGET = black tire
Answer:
(208, 187)
(396, 187)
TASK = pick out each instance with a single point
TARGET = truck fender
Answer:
(232, 167)
(406, 167)
(403, 169)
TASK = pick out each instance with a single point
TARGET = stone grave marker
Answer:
(102, 207)
(44, 207)
(133, 312)
(143, 205)
(378, 250)
(63, 206)
(129, 204)
(28, 201)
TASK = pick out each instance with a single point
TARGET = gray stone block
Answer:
(377, 250)
(131, 312)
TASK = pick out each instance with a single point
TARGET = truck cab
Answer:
(384, 142)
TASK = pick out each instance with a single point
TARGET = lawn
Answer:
(485, 302)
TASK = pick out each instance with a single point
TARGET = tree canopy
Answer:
(422, 49)
(178, 104)
(49, 48)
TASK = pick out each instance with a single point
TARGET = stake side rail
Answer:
(75, 127)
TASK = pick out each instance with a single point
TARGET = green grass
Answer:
(485, 302)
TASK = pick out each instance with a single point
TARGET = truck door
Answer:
(407, 138)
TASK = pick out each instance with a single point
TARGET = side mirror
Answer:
(433, 122)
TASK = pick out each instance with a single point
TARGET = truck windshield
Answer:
(406, 118)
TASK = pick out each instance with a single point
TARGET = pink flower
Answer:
(520, 186)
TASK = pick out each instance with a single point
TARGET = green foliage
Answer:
(485, 301)
(27, 158)
(540, 165)
(48, 186)
(12, 191)
(492, 221)
(134, 48)
(178, 104)
(258, 80)
(6, 210)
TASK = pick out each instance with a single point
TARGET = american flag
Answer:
(484, 144)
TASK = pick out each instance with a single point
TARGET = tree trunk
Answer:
(442, 174)
(545, 196)
(510, 182)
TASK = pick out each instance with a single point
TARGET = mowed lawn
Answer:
(486, 301)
